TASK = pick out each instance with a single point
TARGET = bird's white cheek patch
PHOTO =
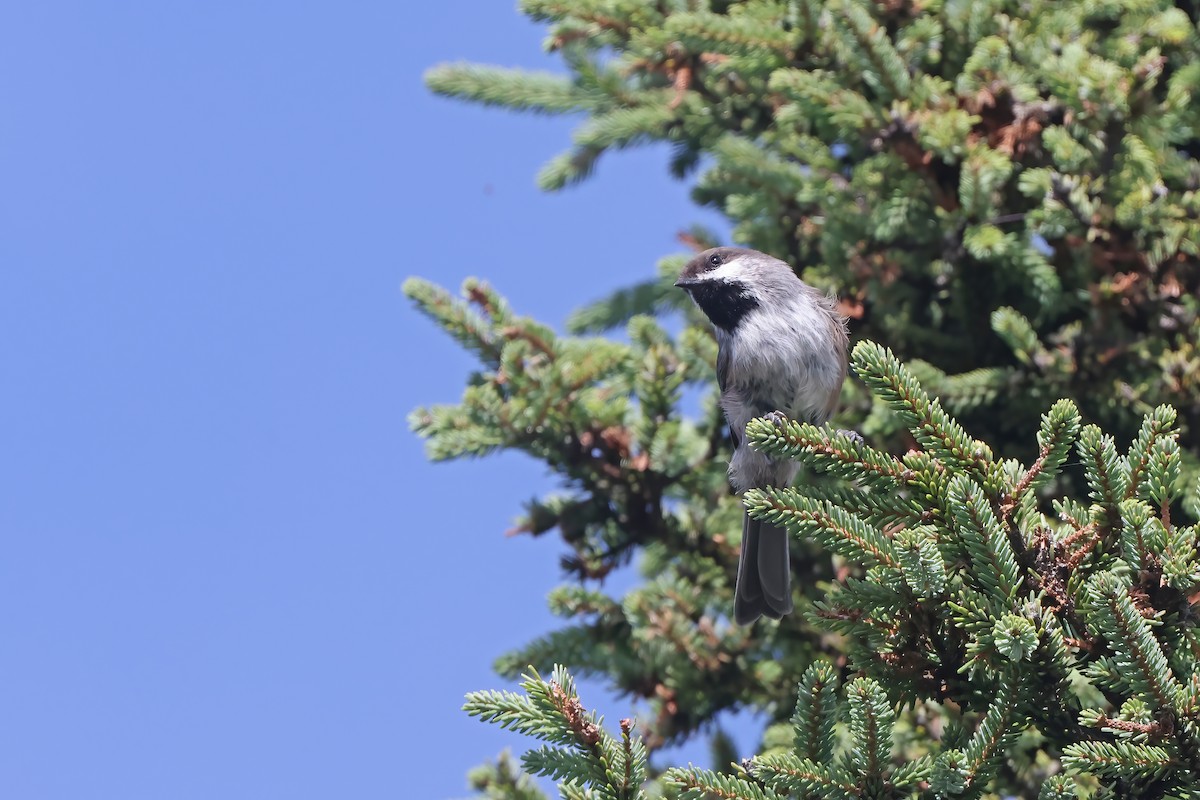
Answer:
(731, 271)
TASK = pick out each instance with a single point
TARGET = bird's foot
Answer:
(776, 418)
(854, 435)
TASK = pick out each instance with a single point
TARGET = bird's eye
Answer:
(715, 260)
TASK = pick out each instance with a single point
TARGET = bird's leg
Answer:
(855, 435)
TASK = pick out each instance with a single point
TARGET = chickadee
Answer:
(781, 348)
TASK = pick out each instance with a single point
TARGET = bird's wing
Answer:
(843, 344)
(831, 405)
(724, 357)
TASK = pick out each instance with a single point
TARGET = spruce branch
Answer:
(1058, 787)
(568, 168)
(816, 713)
(1015, 329)
(791, 776)
(933, 428)
(694, 783)
(1136, 534)
(835, 452)
(1058, 431)
(1138, 654)
(502, 780)
(996, 732)
(985, 541)
(706, 32)
(884, 69)
(834, 528)
(468, 328)
(823, 104)
(557, 764)
(1135, 731)
(1123, 760)
(583, 753)
(871, 720)
(510, 710)
(921, 561)
(1156, 426)
(1082, 539)
(617, 17)
(624, 127)
(1107, 472)
(519, 90)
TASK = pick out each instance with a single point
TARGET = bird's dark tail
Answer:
(764, 578)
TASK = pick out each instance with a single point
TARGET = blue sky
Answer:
(228, 570)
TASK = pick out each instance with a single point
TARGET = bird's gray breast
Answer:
(783, 373)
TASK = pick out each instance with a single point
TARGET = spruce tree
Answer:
(996, 597)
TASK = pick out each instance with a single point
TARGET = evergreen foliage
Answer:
(1008, 192)
(995, 585)
(1036, 642)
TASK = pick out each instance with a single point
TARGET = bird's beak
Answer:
(686, 283)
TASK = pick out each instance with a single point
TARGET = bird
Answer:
(781, 349)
